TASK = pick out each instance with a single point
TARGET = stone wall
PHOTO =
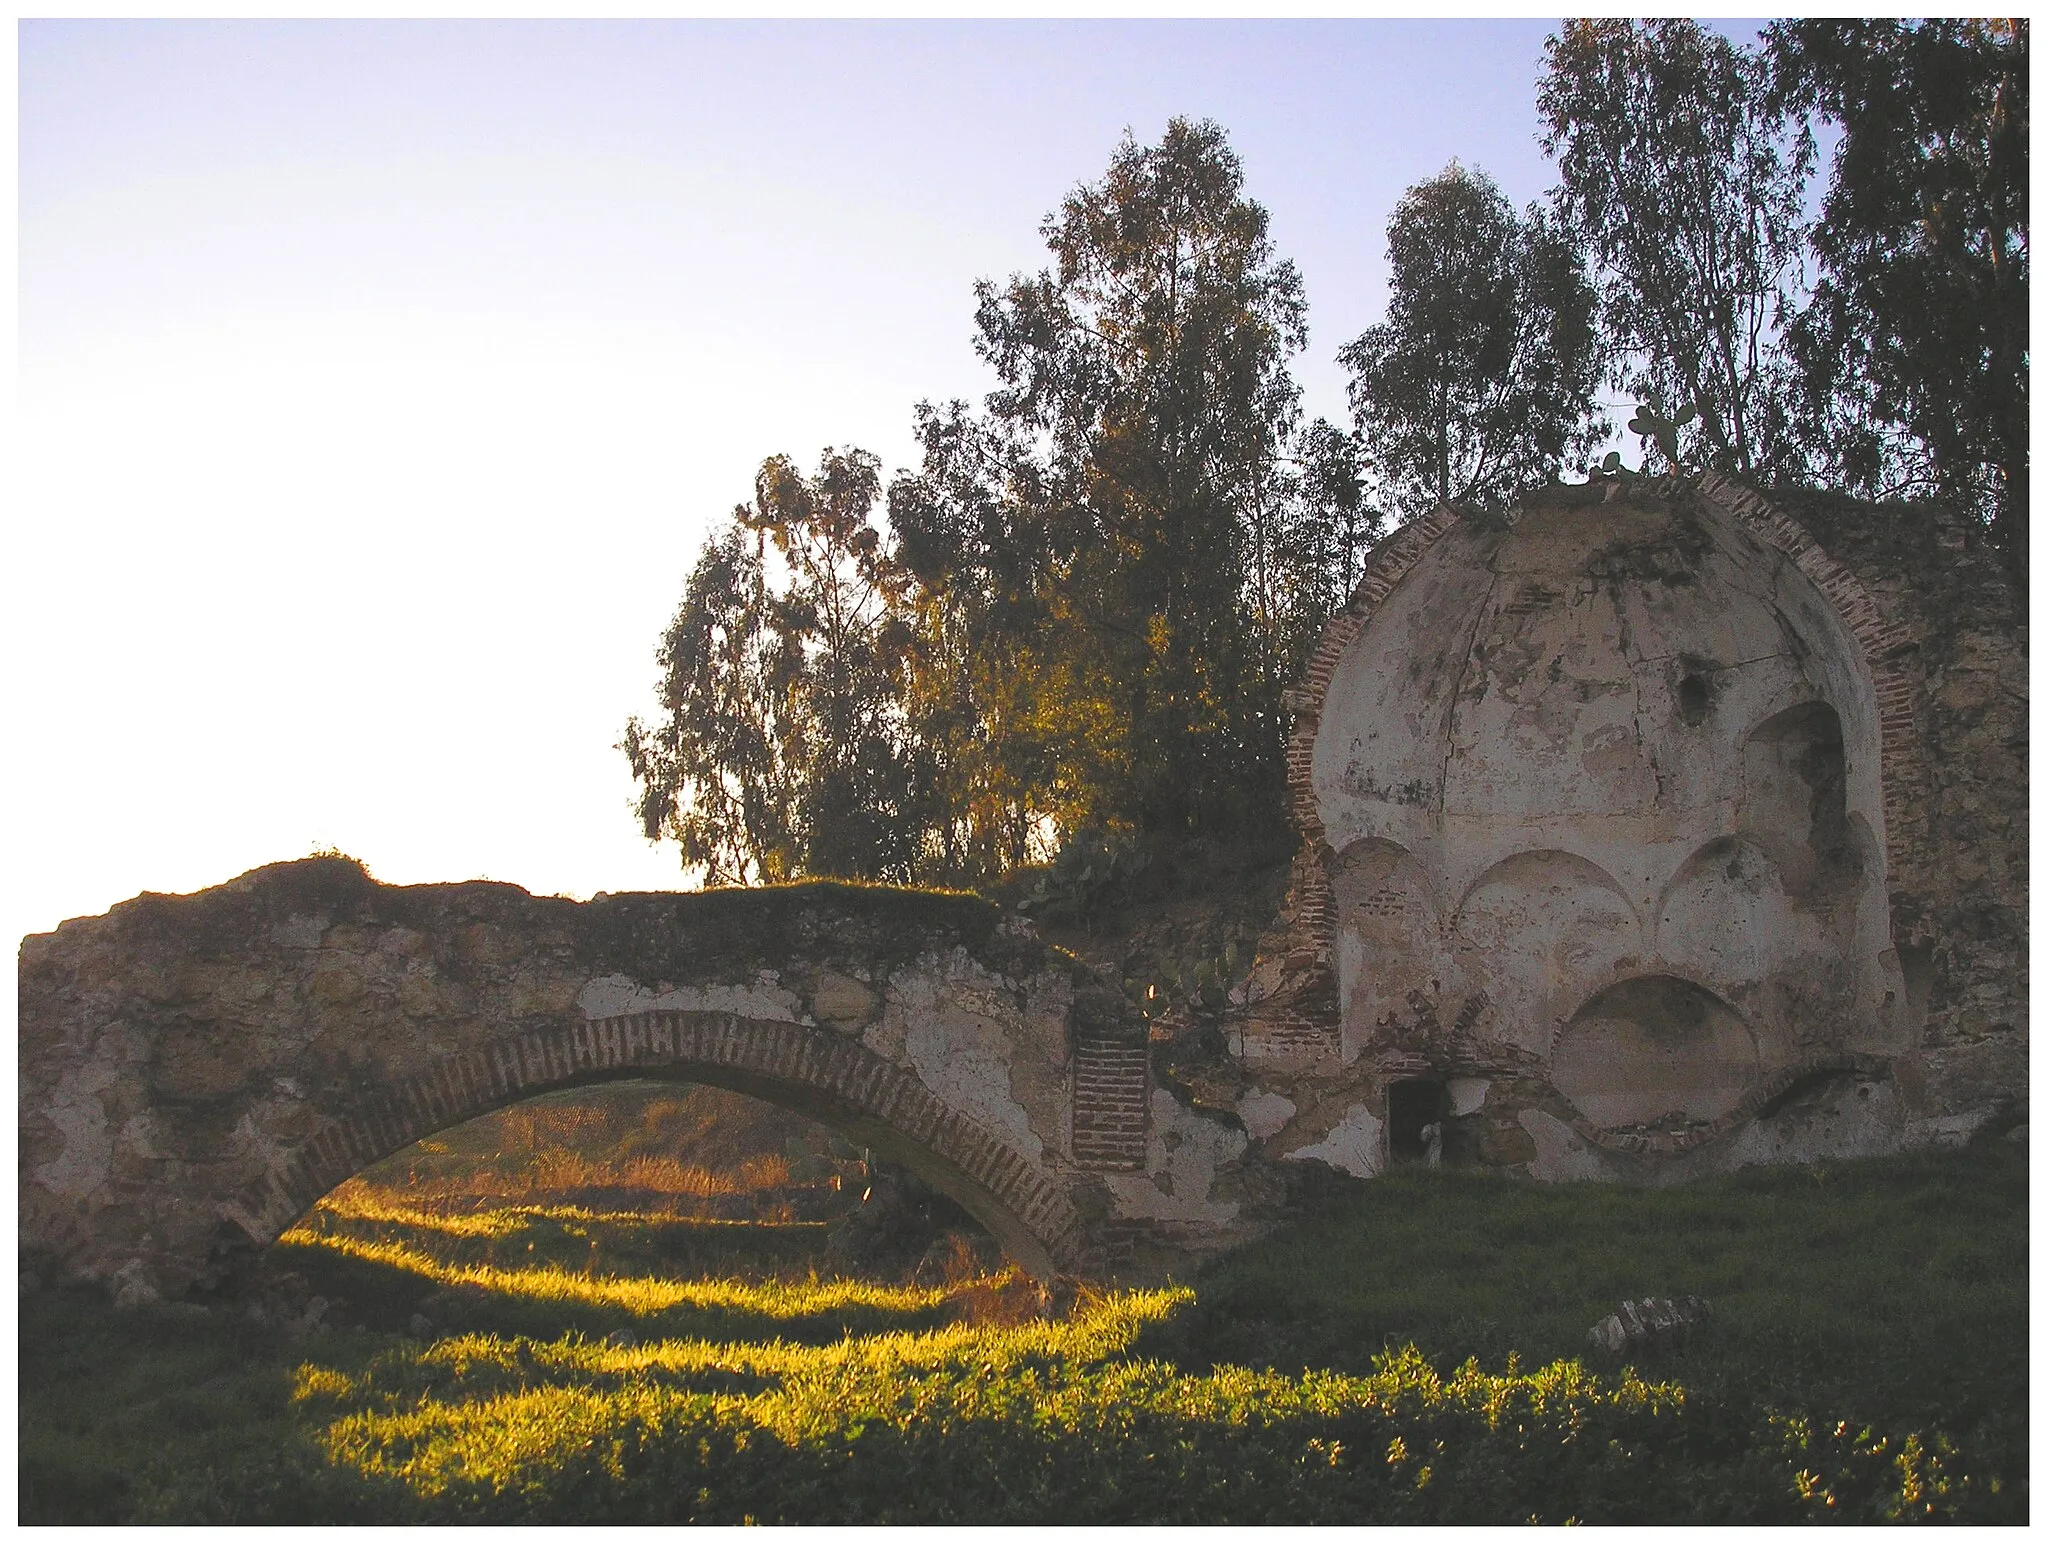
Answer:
(1652, 827)
(1959, 891)
(195, 1071)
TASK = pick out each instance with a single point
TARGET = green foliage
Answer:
(1914, 350)
(1334, 526)
(1096, 587)
(1648, 426)
(1676, 176)
(782, 678)
(1113, 524)
(1193, 984)
(1412, 1357)
(1479, 385)
(1092, 871)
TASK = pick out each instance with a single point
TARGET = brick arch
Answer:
(821, 1073)
(1902, 759)
(1314, 903)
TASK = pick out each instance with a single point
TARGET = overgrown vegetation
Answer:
(1413, 1355)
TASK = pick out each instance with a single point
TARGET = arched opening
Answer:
(820, 1074)
(653, 1177)
(1654, 1049)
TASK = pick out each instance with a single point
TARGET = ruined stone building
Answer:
(1652, 827)
(1648, 828)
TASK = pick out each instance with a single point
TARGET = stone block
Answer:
(843, 1003)
(1648, 1324)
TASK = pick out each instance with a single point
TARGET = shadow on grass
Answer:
(1887, 1290)
(1867, 1362)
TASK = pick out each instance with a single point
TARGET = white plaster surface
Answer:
(80, 1117)
(1561, 1154)
(1352, 1145)
(1182, 1155)
(1854, 1120)
(965, 1061)
(1467, 1094)
(606, 996)
(1264, 1112)
(1579, 750)
(962, 1034)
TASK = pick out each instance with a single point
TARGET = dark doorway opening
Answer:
(1413, 1106)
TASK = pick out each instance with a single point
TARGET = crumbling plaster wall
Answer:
(198, 1069)
(1959, 867)
(1670, 830)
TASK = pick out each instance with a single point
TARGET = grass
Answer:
(1416, 1355)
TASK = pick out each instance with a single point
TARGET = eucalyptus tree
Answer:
(1677, 176)
(782, 752)
(1007, 758)
(1914, 350)
(1481, 381)
(1137, 445)
(1330, 528)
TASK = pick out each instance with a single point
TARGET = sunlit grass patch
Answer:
(380, 1245)
(503, 1425)
(1047, 1422)
(639, 1296)
(357, 1203)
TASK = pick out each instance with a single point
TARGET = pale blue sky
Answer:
(645, 173)
(380, 380)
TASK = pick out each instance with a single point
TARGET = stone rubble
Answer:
(1648, 1324)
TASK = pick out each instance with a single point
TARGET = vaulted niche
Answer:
(1386, 937)
(1795, 798)
(1652, 1048)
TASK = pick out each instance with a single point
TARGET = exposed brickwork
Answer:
(1112, 1084)
(683, 1045)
